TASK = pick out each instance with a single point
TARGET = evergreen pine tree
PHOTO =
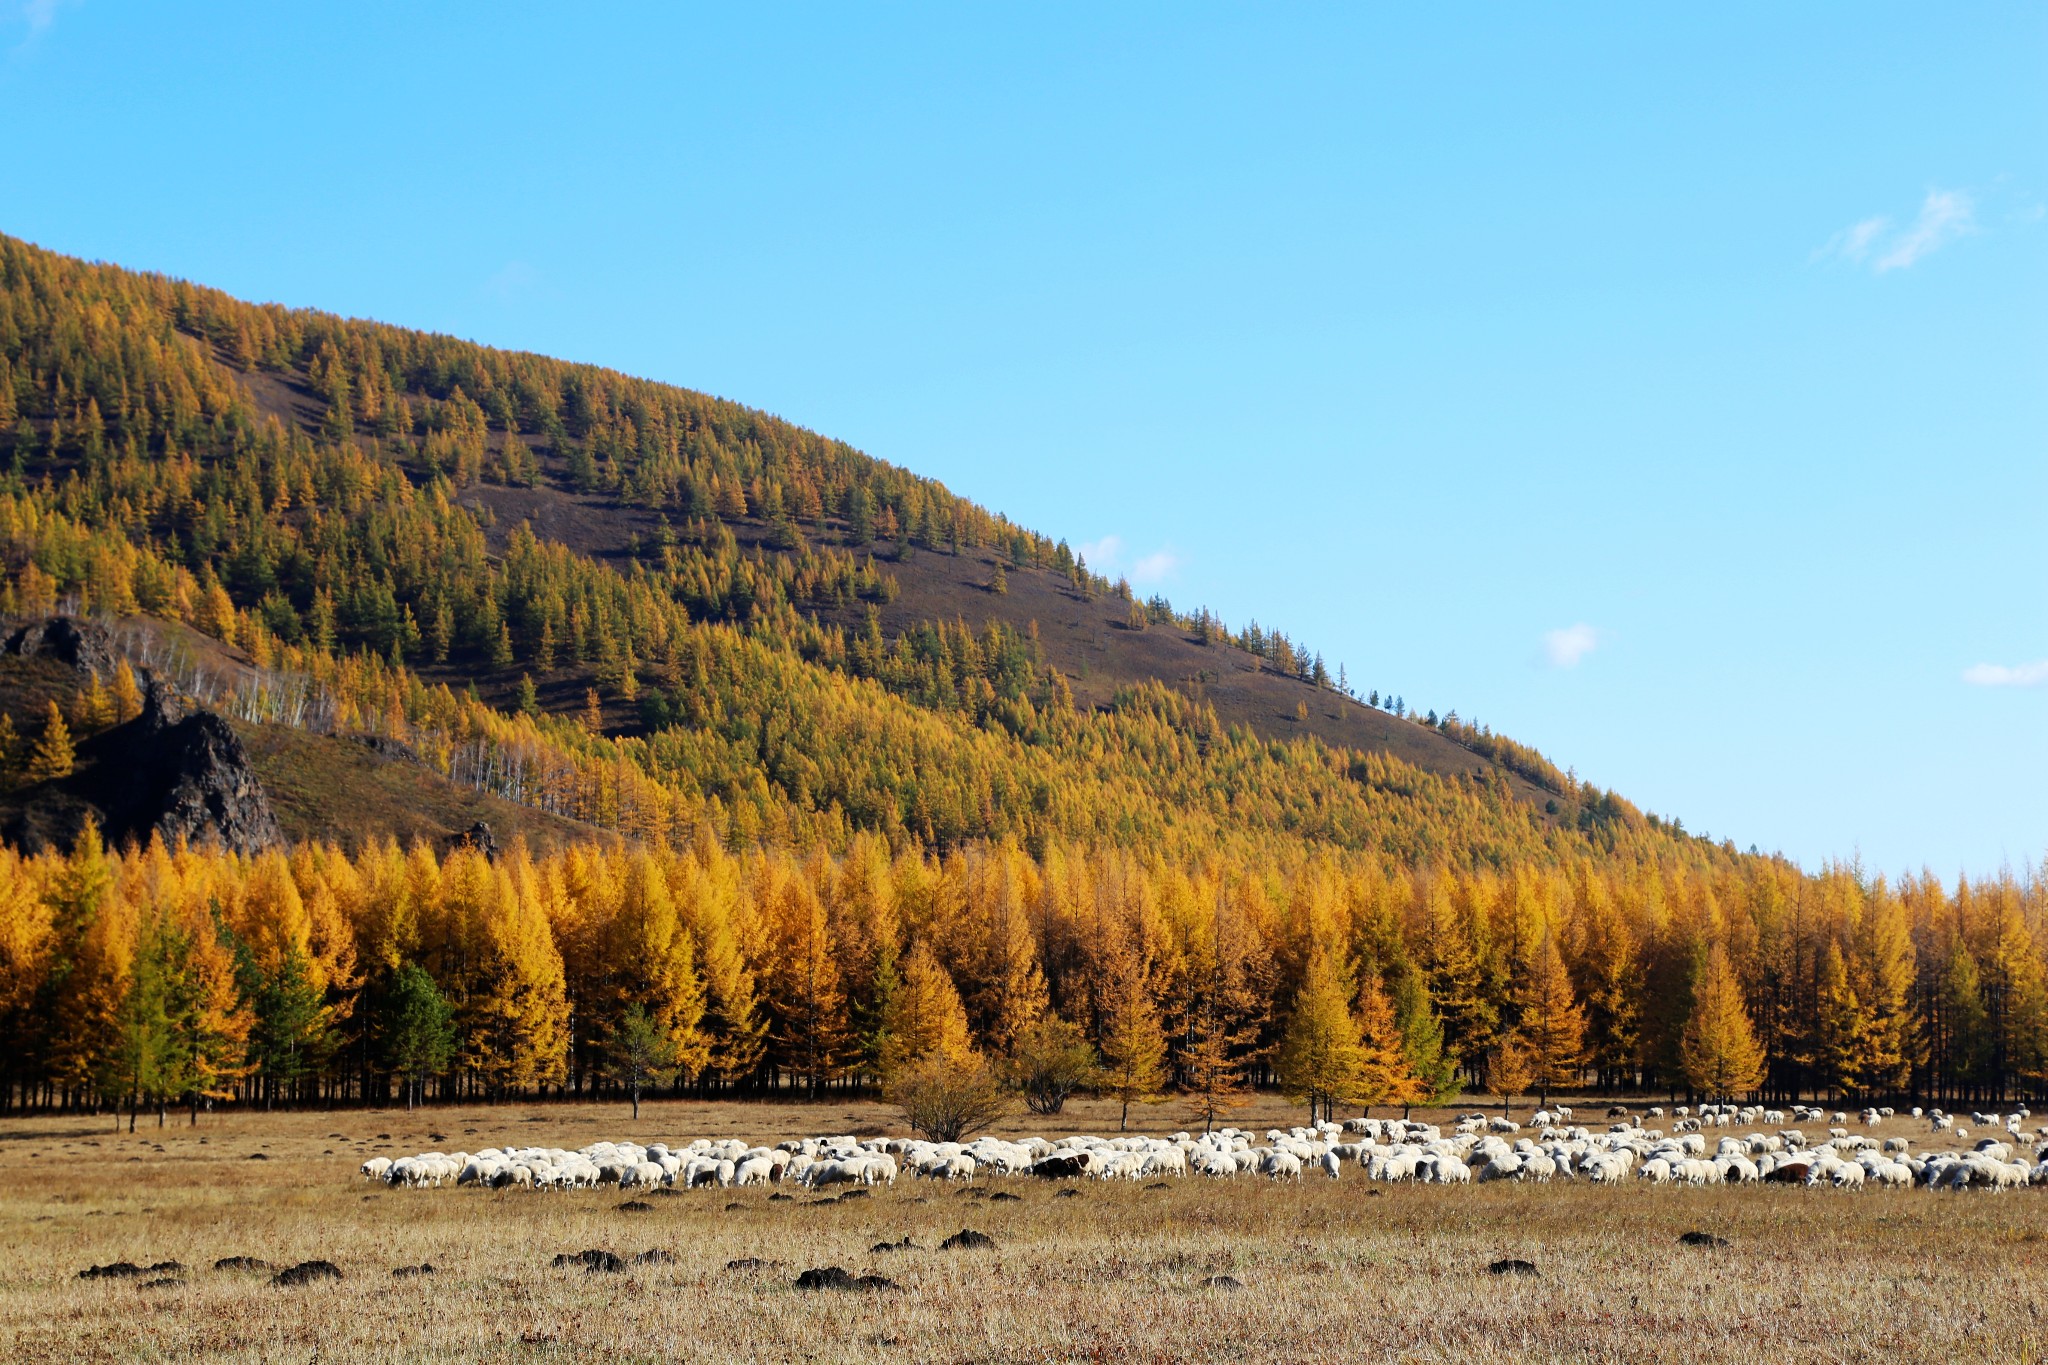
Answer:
(638, 1047)
(1434, 1066)
(417, 1030)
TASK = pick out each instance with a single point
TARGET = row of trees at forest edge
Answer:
(155, 977)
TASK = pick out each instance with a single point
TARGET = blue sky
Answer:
(1665, 390)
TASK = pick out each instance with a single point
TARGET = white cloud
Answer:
(1153, 568)
(35, 17)
(1102, 555)
(1111, 556)
(1944, 216)
(1564, 648)
(1854, 243)
(2002, 675)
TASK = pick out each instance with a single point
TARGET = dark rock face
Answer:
(176, 770)
(479, 837)
(385, 747)
(184, 775)
(83, 647)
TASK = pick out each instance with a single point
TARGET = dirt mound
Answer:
(593, 1261)
(127, 1270)
(306, 1272)
(905, 1245)
(407, 1272)
(636, 1206)
(1701, 1239)
(834, 1277)
(1224, 1282)
(967, 1239)
(1512, 1267)
(655, 1256)
(752, 1263)
(240, 1263)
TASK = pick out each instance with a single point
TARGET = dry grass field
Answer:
(1344, 1271)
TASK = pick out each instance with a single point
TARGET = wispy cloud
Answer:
(1944, 216)
(1877, 243)
(1155, 567)
(1102, 555)
(1565, 647)
(1110, 556)
(34, 18)
(2008, 675)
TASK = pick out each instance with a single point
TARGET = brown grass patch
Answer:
(1119, 1273)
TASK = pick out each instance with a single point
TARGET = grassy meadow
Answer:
(1348, 1270)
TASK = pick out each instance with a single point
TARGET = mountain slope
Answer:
(709, 614)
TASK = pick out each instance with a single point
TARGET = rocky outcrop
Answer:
(478, 837)
(187, 778)
(79, 645)
(176, 770)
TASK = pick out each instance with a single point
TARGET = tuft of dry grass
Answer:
(1123, 1272)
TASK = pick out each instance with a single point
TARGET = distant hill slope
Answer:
(706, 613)
(1087, 638)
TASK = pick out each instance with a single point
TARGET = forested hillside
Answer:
(776, 722)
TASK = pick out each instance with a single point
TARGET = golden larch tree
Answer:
(1318, 1059)
(1719, 1050)
(1553, 1026)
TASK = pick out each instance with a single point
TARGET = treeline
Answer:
(154, 977)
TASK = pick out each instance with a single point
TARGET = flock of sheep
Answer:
(1477, 1148)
